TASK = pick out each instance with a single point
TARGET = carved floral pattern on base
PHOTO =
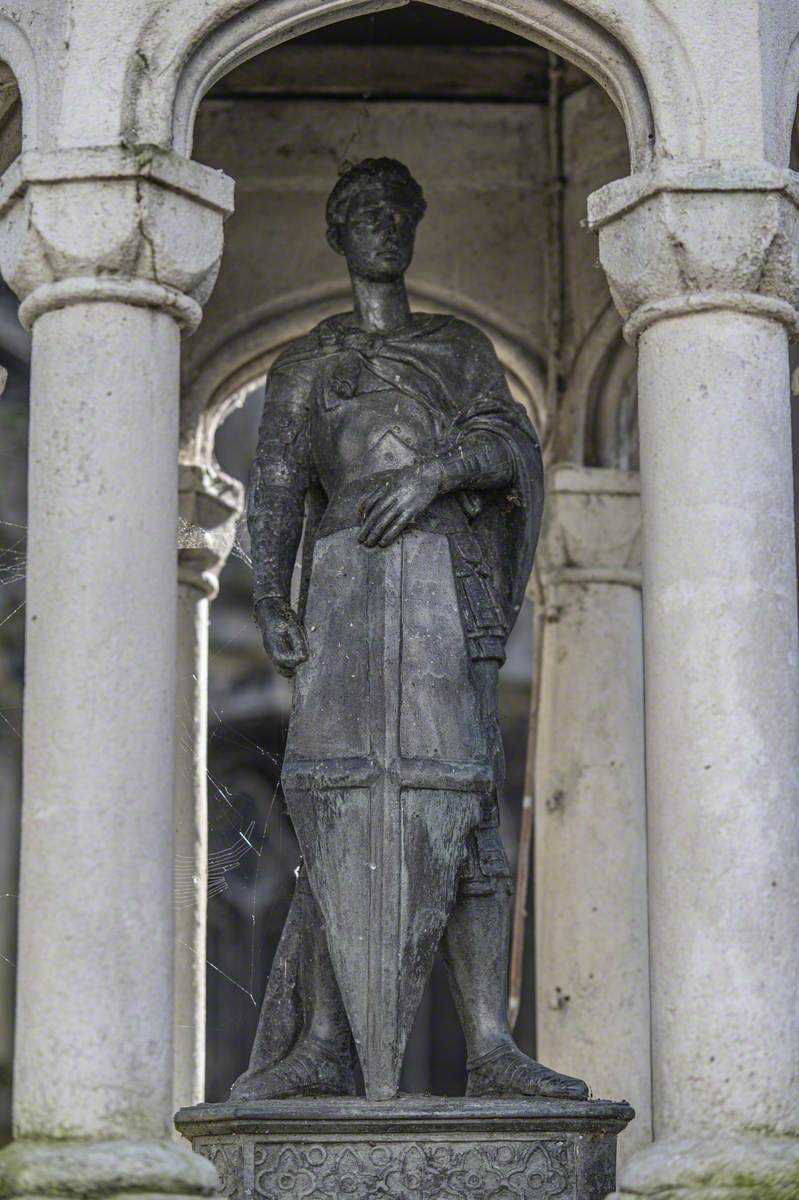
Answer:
(227, 1158)
(421, 1170)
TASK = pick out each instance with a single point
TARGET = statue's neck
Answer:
(380, 305)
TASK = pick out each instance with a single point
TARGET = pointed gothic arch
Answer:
(18, 92)
(205, 50)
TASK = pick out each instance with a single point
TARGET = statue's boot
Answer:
(505, 1071)
(313, 1068)
(475, 949)
(320, 1062)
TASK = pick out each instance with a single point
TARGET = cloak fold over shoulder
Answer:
(451, 367)
(507, 523)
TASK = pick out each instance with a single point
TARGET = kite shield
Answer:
(384, 770)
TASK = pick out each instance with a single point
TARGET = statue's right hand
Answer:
(282, 632)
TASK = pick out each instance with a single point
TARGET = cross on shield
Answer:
(383, 775)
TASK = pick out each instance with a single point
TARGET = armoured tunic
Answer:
(393, 752)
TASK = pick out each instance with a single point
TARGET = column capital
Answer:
(209, 505)
(591, 531)
(136, 225)
(700, 236)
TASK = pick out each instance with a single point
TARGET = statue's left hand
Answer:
(391, 507)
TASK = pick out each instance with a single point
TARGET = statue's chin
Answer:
(380, 272)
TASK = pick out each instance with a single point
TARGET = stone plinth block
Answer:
(421, 1148)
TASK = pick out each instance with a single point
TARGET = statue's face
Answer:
(378, 235)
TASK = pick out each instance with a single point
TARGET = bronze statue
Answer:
(390, 445)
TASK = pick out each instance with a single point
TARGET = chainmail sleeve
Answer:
(478, 457)
(279, 479)
(479, 460)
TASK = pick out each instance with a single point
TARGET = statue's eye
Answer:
(368, 216)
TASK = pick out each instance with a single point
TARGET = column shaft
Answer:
(9, 863)
(94, 1042)
(701, 262)
(191, 846)
(210, 504)
(112, 249)
(722, 704)
(592, 952)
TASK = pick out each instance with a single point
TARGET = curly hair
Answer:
(372, 173)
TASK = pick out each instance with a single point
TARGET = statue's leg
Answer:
(303, 1046)
(326, 1021)
(476, 949)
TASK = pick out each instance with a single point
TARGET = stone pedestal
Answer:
(418, 1148)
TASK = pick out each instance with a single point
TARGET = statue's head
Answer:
(372, 214)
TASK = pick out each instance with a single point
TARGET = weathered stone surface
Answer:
(591, 531)
(414, 1149)
(112, 249)
(103, 1168)
(736, 1167)
(592, 941)
(721, 88)
(137, 225)
(700, 236)
(702, 263)
(393, 758)
(209, 505)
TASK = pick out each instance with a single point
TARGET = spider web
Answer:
(246, 837)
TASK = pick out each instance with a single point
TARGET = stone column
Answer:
(701, 259)
(592, 937)
(209, 505)
(112, 251)
(9, 855)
